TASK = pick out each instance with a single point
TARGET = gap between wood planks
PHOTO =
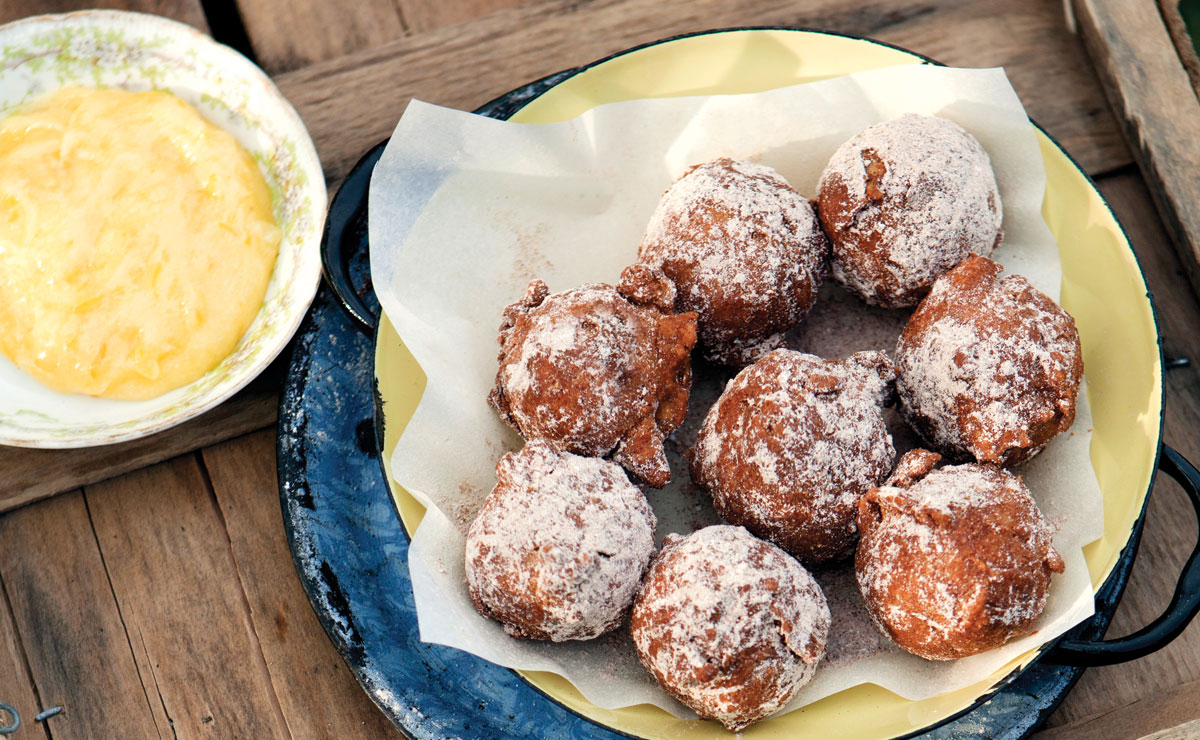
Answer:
(225, 24)
(1145, 81)
(32, 474)
(260, 659)
(17, 647)
(1155, 716)
(128, 638)
(469, 63)
(302, 661)
(167, 556)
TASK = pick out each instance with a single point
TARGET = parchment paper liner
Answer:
(465, 210)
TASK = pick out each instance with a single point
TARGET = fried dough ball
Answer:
(954, 561)
(904, 201)
(989, 368)
(745, 252)
(560, 545)
(729, 625)
(596, 373)
(791, 445)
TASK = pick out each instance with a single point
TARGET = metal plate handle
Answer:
(1184, 603)
(344, 228)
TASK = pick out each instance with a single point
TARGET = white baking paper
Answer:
(465, 210)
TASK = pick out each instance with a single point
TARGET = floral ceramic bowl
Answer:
(142, 52)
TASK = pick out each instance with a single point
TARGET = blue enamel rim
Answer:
(339, 623)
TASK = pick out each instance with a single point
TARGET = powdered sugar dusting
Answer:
(555, 333)
(581, 250)
(590, 370)
(744, 250)
(792, 444)
(560, 545)
(853, 635)
(988, 365)
(729, 625)
(957, 562)
(904, 201)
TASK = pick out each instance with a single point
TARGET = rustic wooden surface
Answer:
(1177, 27)
(163, 602)
(351, 100)
(30, 475)
(1145, 79)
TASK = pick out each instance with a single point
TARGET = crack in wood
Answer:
(260, 658)
(406, 26)
(157, 689)
(121, 616)
(26, 665)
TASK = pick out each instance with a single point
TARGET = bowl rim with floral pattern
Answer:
(137, 51)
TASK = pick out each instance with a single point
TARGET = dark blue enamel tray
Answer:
(350, 548)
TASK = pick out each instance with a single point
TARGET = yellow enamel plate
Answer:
(1102, 288)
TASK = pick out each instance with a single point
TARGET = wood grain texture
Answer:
(424, 15)
(31, 474)
(290, 35)
(16, 683)
(301, 660)
(71, 628)
(1183, 42)
(1170, 532)
(352, 102)
(172, 572)
(188, 11)
(1185, 731)
(216, 617)
(1157, 105)
(1162, 712)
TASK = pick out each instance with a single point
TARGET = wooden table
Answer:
(154, 596)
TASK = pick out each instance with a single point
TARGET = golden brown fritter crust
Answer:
(729, 625)
(792, 444)
(596, 373)
(989, 367)
(559, 547)
(955, 561)
(904, 201)
(744, 251)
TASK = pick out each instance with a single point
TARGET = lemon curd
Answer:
(136, 242)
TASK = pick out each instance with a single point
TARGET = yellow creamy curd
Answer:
(136, 242)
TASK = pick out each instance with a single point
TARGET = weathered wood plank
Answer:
(1186, 731)
(31, 474)
(188, 11)
(1183, 42)
(1169, 534)
(16, 684)
(291, 35)
(424, 15)
(1166, 711)
(72, 630)
(301, 660)
(1157, 105)
(352, 102)
(169, 562)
